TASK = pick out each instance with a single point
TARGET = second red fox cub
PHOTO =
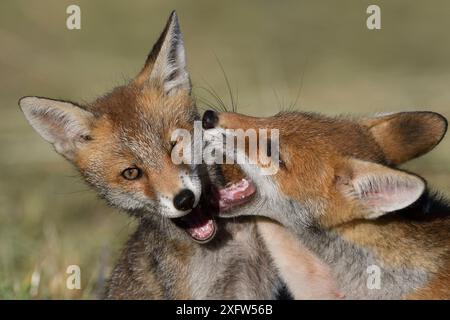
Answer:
(338, 191)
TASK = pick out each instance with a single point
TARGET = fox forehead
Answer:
(309, 132)
(134, 106)
(137, 122)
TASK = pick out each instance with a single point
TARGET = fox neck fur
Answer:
(410, 248)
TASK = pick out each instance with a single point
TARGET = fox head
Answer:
(121, 143)
(330, 170)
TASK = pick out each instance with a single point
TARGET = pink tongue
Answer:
(235, 193)
(202, 232)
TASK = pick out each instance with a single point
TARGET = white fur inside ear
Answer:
(387, 192)
(170, 65)
(58, 122)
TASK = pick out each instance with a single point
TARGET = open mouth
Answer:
(236, 194)
(200, 223)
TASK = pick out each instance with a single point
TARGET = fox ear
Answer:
(166, 63)
(406, 135)
(379, 189)
(63, 124)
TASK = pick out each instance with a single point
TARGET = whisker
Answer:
(227, 81)
(215, 96)
(210, 105)
(299, 91)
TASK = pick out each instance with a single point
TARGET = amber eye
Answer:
(132, 173)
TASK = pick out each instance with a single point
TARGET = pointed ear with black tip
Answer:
(406, 135)
(378, 189)
(166, 64)
(63, 124)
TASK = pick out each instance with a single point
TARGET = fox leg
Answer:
(306, 276)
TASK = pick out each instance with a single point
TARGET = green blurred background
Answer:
(316, 53)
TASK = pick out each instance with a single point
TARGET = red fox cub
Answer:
(380, 230)
(121, 145)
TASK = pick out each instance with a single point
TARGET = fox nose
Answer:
(184, 200)
(210, 119)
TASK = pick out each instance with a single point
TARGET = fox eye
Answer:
(132, 173)
(281, 164)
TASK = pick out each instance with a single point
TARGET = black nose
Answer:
(184, 200)
(210, 119)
